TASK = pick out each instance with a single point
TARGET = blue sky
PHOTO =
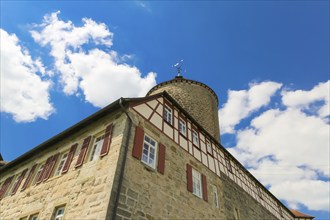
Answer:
(268, 61)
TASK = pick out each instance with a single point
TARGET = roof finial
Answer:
(178, 66)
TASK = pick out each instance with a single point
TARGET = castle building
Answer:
(156, 157)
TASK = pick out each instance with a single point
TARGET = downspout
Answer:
(123, 162)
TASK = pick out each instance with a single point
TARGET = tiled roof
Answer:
(300, 214)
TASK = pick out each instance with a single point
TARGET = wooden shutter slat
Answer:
(138, 143)
(28, 178)
(5, 186)
(107, 141)
(44, 170)
(161, 159)
(50, 167)
(18, 183)
(204, 186)
(69, 158)
(83, 152)
(189, 178)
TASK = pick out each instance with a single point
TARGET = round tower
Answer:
(199, 100)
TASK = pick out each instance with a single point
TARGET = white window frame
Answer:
(40, 168)
(60, 166)
(97, 146)
(209, 147)
(215, 196)
(149, 151)
(182, 127)
(168, 115)
(57, 215)
(197, 183)
(195, 138)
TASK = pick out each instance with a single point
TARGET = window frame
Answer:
(209, 148)
(41, 166)
(155, 147)
(61, 163)
(182, 119)
(95, 151)
(215, 196)
(165, 114)
(197, 183)
(194, 130)
(55, 216)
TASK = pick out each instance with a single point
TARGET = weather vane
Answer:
(178, 66)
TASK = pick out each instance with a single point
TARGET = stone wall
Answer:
(147, 194)
(84, 190)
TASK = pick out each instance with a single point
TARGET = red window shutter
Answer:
(83, 152)
(5, 186)
(138, 143)
(44, 170)
(28, 178)
(18, 183)
(189, 178)
(50, 167)
(161, 159)
(69, 158)
(107, 141)
(204, 186)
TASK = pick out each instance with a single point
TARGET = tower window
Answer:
(149, 151)
(197, 183)
(195, 138)
(182, 127)
(168, 114)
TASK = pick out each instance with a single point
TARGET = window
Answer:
(61, 164)
(195, 138)
(168, 114)
(12, 186)
(197, 183)
(58, 213)
(215, 196)
(182, 127)
(96, 150)
(34, 216)
(149, 151)
(209, 147)
(41, 167)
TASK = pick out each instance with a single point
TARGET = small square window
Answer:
(149, 151)
(61, 164)
(182, 127)
(197, 183)
(195, 138)
(58, 213)
(168, 114)
(96, 150)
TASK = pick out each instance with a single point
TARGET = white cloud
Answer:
(24, 94)
(288, 149)
(101, 76)
(242, 103)
(304, 99)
